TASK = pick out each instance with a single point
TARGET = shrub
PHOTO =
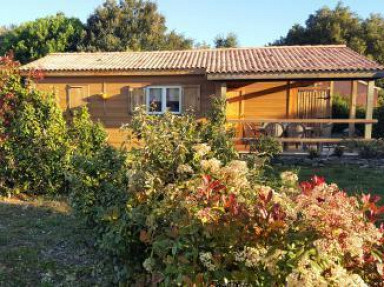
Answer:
(34, 146)
(313, 153)
(339, 151)
(369, 149)
(266, 146)
(378, 129)
(171, 213)
(86, 136)
(38, 149)
(340, 110)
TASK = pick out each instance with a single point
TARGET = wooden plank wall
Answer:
(115, 111)
(257, 99)
(267, 100)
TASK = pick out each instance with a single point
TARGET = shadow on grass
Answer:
(43, 244)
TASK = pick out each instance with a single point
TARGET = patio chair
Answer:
(275, 130)
(296, 131)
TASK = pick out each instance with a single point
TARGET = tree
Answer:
(327, 26)
(35, 39)
(202, 45)
(130, 25)
(341, 26)
(3, 31)
(229, 41)
(374, 37)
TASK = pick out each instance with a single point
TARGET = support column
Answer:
(369, 109)
(221, 90)
(331, 96)
(352, 107)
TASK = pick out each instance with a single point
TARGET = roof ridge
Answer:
(203, 49)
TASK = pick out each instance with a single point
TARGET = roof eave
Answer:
(113, 73)
(373, 75)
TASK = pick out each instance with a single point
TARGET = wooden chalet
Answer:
(284, 92)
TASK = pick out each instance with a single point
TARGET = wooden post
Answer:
(369, 109)
(331, 96)
(352, 107)
(221, 90)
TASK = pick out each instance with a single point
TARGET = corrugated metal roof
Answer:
(283, 59)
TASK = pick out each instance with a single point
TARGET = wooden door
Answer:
(314, 103)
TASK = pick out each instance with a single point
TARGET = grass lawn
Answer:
(42, 244)
(351, 178)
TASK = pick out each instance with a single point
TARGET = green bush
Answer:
(266, 146)
(339, 151)
(378, 129)
(34, 149)
(86, 136)
(38, 148)
(107, 185)
(171, 213)
(340, 110)
(370, 149)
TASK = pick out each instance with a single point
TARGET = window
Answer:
(161, 99)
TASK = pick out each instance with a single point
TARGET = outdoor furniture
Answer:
(295, 130)
(301, 132)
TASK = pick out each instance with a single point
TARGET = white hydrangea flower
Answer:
(202, 149)
(206, 260)
(289, 178)
(239, 166)
(251, 256)
(149, 264)
(213, 165)
(340, 277)
(271, 260)
(184, 169)
(235, 174)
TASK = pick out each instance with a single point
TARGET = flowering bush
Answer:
(34, 147)
(181, 211)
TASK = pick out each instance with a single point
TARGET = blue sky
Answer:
(256, 22)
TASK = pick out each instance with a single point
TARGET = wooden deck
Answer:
(306, 132)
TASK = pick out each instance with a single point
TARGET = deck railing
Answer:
(295, 131)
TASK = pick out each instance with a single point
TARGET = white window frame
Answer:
(163, 99)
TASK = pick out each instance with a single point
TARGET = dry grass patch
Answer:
(43, 244)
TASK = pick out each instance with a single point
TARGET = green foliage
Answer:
(229, 41)
(168, 151)
(369, 150)
(169, 213)
(266, 146)
(38, 148)
(339, 151)
(340, 110)
(35, 39)
(217, 134)
(34, 149)
(340, 26)
(86, 136)
(130, 25)
(378, 129)
(313, 153)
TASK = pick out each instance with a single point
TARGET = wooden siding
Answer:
(116, 110)
(265, 99)
(260, 100)
(246, 99)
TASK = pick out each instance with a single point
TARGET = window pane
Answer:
(173, 100)
(155, 99)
